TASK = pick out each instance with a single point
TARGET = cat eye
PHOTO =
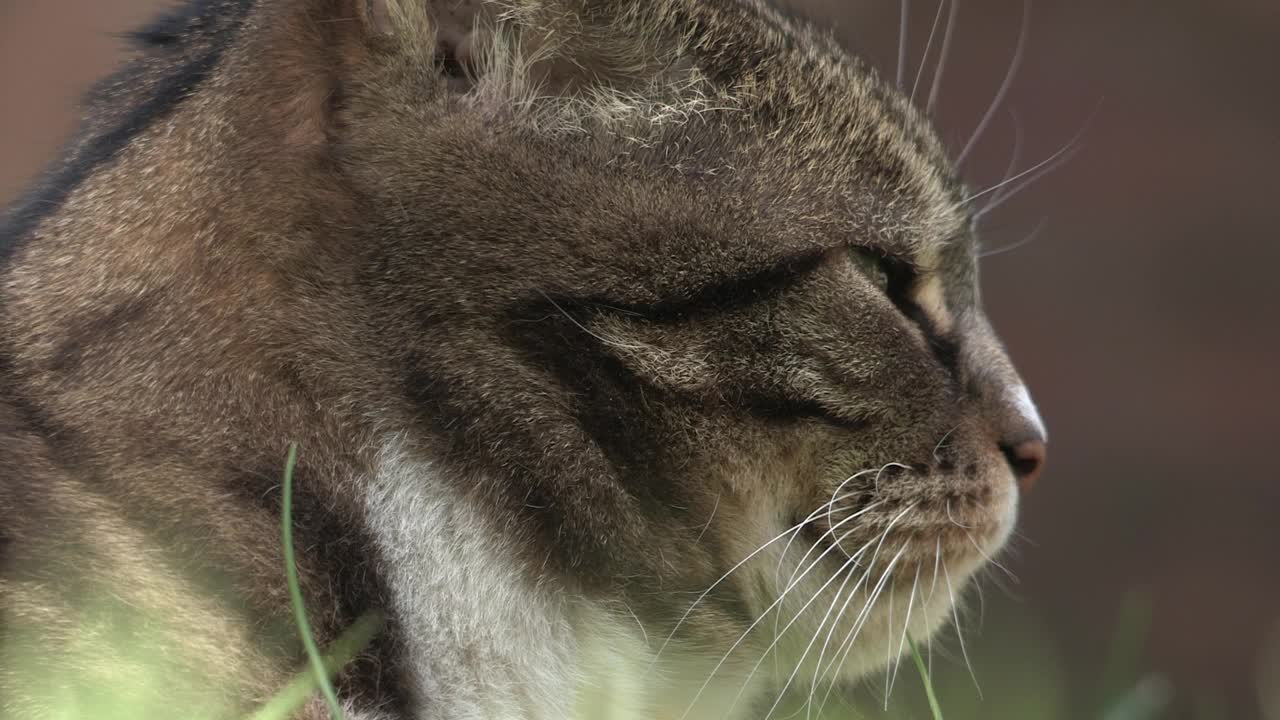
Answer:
(873, 265)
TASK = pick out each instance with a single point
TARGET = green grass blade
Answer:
(1148, 700)
(1127, 644)
(928, 682)
(295, 591)
(342, 651)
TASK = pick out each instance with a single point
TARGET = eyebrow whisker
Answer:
(924, 59)
(1035, 172)
(1014, 65)
(943, 56)
(1031, 237)
(902, 42)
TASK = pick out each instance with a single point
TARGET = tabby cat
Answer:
(632, 349)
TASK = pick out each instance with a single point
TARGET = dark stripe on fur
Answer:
(92, 149)
(81, 339)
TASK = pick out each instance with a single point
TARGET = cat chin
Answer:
(840, 636)
(884, 638)
(829, 615)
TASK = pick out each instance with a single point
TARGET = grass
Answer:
(303, 686)
(925, 678)
(1127, 644)
(321, 667)
(1127, 692)
(318, 669)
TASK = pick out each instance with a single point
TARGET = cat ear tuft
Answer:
(614, 58)
(439, 31)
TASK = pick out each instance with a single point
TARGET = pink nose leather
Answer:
(1027, 460)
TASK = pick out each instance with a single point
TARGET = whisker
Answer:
(902, 42)
(812, 547)
(1035, 172)
(990, 560)
(1015, 154)
(955, 522)
(888, 571)
(1002, 584)
(834, 601)
(1017, 244)
(643, 633)
(888, 648)
(831, 505)
(902, 644)
(793, 529)
(817, 593)
(831, 532)
(710, 517)
(882, 537)
(607, 341)
(840, 488)
(955, 614)
(980, 589)
(865, 575)
(924, 59)
(933, 585)
(866, 609)
(846, 646)
(886, 466)
(835, 621)
(827, 507)
(1005, 85)
(937, 559)
(762, 616)
(941, 442)
(943, 56)
(1013, 191)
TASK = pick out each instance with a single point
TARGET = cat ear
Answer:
(502, 52)
(509, 46)
(442, 30)
(305, 51)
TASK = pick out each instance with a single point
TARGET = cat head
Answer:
(680, 292)
(697, 292)
(702, 290)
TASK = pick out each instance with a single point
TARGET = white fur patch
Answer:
(486, 643)
(1021, 399)
(930, 297)
(483, 642)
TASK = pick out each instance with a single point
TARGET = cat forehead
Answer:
(760, 107)
(862, 138)
(846, 160)
(834, 146)
(821, 130)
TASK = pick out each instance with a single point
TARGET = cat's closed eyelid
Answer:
(900, 276)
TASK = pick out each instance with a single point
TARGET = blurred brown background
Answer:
(1145, 314)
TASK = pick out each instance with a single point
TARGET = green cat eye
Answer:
(872, 265)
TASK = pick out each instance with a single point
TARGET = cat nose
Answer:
(1023, 439)
(1027, 460)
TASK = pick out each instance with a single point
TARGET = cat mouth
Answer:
(959, 515)
(961, 530)
(856, 583)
